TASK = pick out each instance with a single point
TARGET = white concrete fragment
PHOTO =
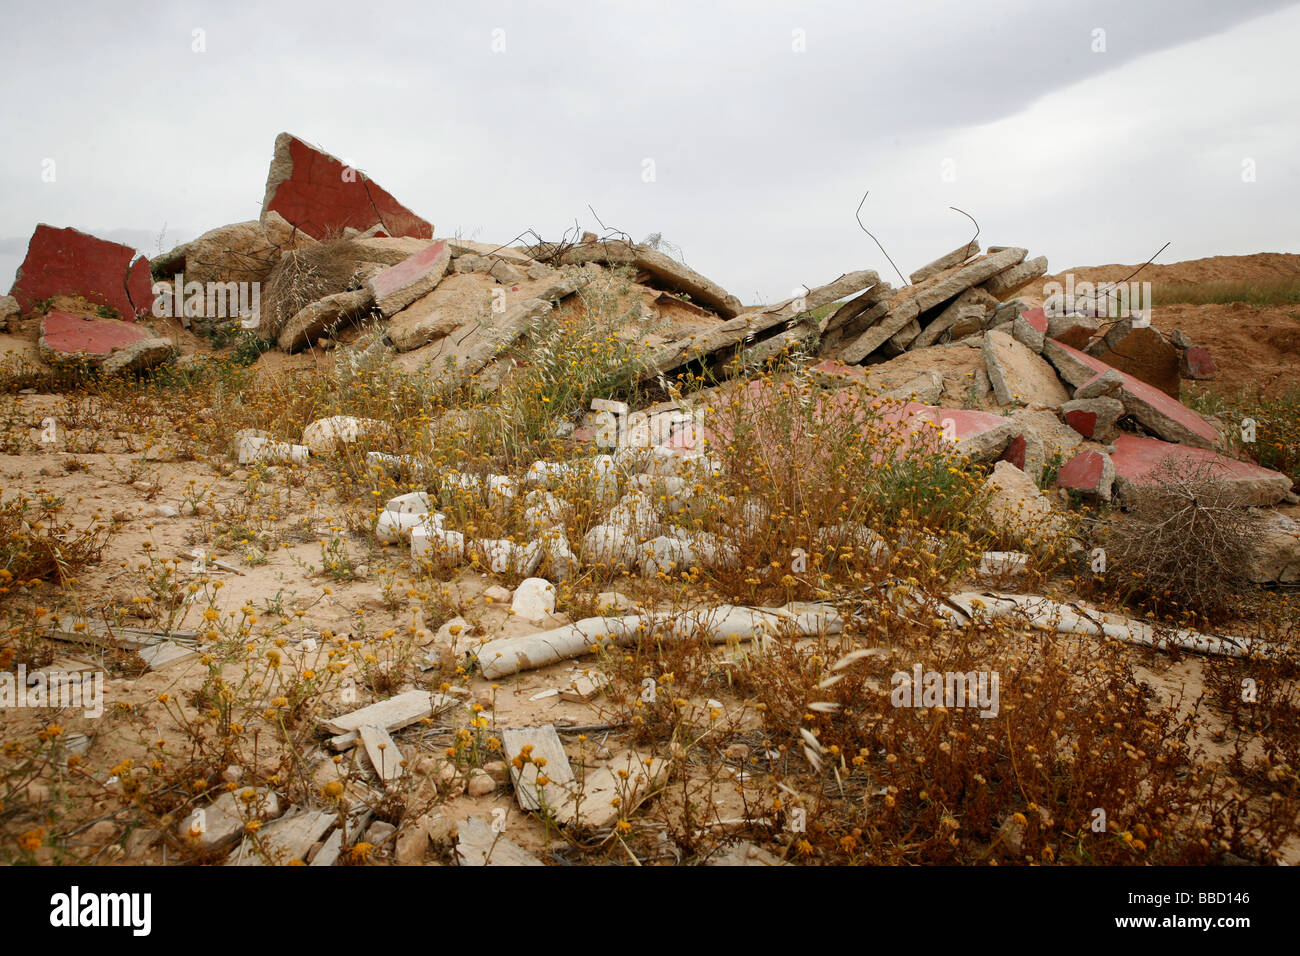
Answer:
(719, 625)
(393, 526)
(534, 599)
(252, 448)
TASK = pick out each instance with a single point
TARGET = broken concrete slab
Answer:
(10, 313)
(490, 342)
(1093, 418)
(1196, 363)
(313, 321)
(945, 262)
(391, 714)
(384, 754)
(541, 756)
(1140, 351)
(971, 305)
(914, 300)
(478, 844)
(610, 793)
(1016, 509)
(398, 286)
(894, 320)
(848, 314)
(1165, 416)
(1106, 384)
(70, 262)
(752, 325)
(1137, 461)
(1029, 328)
(108, 344)
(322, 196)
(1019, 375)
(221, 823)
(1276, 557)
(1073, 330)
(325, 436)
(238, 252)
(1091, 473)
(664, 270)
(1016, 278)
(284, 841)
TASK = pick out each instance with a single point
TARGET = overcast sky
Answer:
(745, 132)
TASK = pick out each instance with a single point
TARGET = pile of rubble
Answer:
(1061, 387)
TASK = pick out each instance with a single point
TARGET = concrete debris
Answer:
(322, 196)
(1277, 551)
(109, 345)
(945, 262)
(320, 317)
(479, 844)
(1091, 473)
(510, 655)
(1016, 509)
(664, 271)
(1018, 375)
(66, 262)
(1060, 618)
(399, 285)
(1137, 462)
(326, 436)
(1093, 418)
(1140, 351)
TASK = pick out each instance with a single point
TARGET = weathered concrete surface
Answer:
(1029, 328)
(108, 344)
(1016, 278)
(1137, 460)
(1196, 362)
(239, 252)
(735, 331)
(914, 300)
(1073, 330)
(1277, 552)
(398, 286)
(665, 271)
(70, 262)
(1018, 374)
(850, 311)
(1165, 416)
(1093, 418)
(1091, 473)
(485, 344)
(1142, 352)
(310, 322)
(973, 303)
(10, 312)
(1016, 509)
(321, 196)
(954, 258)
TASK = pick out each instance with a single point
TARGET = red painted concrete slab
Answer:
(73, 335)
(1149, 395)
(1037, 318)
(409, 270)
(1196, 363)
(321, 195)
(1084, 472)
(70, 262)
(1137, 459)
(1085, 423)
